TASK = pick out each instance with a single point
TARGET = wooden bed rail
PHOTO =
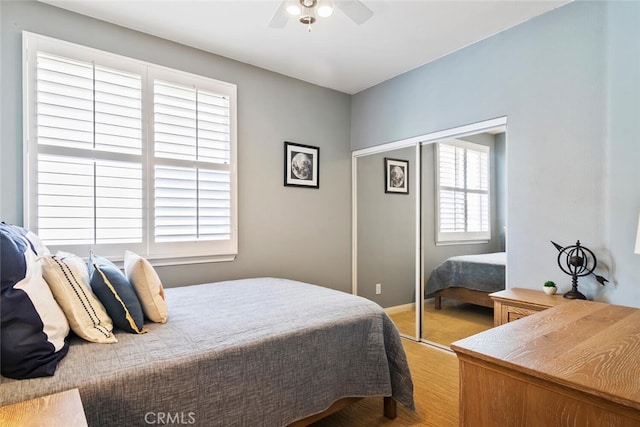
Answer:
(463, 295)
(390, 410)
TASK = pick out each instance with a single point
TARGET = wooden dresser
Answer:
(574, 364)
(59, 409)
(513, 304)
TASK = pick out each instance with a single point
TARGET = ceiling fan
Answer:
(306, 11)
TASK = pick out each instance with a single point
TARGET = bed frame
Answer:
(464, 295)
(390, 410)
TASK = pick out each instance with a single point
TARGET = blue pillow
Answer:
(116, 294)
(33, 326)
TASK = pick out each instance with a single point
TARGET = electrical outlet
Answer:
(378, 288)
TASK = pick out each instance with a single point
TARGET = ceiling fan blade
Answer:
(280, 18)
(354, 9)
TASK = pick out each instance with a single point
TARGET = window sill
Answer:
(462, 242)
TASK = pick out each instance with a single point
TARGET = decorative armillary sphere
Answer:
(577, 261)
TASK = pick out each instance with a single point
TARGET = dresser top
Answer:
(529, 296)
(589, 346)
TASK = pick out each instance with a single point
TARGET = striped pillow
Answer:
(68, 279)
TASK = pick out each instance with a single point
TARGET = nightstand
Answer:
(59, 409)
(513, 304)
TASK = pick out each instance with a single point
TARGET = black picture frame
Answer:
(301, 165)
(396, 176)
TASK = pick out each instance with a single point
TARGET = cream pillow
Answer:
(68, 279)
(147, 284)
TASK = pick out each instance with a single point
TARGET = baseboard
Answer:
(400, 308)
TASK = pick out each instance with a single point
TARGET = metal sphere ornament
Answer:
(577, 261)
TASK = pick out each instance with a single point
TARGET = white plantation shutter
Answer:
(191, 124)
(84, 113)
(191, 204)
(463, 191)
(64, 102)
(123, 154)
(452, 203)
(214, 204)
(192, 181)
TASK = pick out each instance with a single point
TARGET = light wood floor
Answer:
(435, 384)
(453, 322)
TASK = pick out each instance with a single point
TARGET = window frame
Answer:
(464, 237)
(170, 253)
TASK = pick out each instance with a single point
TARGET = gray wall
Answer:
(386, 231)
(621, 201)
(289, 232)
(568, 82)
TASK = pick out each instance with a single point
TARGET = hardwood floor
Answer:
(453, 322)
(435, 384)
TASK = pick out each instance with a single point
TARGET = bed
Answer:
(248, 352)
(468, 278)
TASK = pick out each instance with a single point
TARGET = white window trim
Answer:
(461, 238)
(189, 252)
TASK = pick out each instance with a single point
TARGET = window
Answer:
(123, 154)
(462, 187)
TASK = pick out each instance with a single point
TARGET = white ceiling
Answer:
(337, 53)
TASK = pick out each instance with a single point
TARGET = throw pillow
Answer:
(33, 326)
(37, 246)
(68, 279)
(116, 294)
(146, 282)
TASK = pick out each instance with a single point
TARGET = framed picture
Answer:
(301, 165)
(396, 176)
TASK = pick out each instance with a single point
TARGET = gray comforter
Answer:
(481, 272)
(253, 352)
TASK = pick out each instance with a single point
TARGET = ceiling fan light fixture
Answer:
(293, 7)
(325, 8)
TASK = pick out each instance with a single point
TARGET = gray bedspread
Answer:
(252, 352)
(482, 272)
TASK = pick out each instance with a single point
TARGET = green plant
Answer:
(549, 284)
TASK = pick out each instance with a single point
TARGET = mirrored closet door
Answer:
(386, 188)
(432, 254)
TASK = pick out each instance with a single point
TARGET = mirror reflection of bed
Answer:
(390, 251)
(457, 302)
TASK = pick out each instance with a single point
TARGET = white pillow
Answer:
(68, 279)
(147, 284)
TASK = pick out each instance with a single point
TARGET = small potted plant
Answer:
(549, 287)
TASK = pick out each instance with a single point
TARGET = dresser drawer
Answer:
(515, 313)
